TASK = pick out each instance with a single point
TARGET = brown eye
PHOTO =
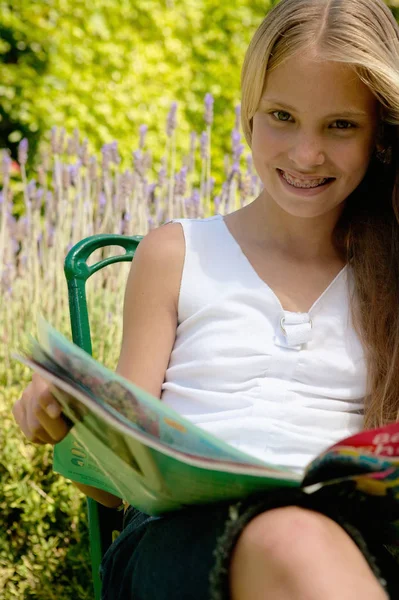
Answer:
(341, 124)
(281, 115)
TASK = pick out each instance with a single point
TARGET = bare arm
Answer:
(150, 308)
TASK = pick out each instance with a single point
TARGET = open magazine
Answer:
(125, 441)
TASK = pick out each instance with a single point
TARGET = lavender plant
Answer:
(75, 195)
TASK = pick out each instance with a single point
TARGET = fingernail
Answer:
(53, 410)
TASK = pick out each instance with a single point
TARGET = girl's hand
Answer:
(38, 413)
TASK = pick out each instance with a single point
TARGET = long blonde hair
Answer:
(365, 35)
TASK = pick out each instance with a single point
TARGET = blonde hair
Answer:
(362, 33)
(365, 35)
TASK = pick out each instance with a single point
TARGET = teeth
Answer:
(303, 184)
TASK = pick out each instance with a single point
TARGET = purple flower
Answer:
(106, 156)
(196, 197)
(50, 236)
(93, 168)
(238, 148)
(137, 155)
(171, 122)
(6, 165)
(245, 187)
(71, 146)
(235, 168)
(209, 109)
(114, 152)
(66, 176)
(162, 176)
(238, 116)
(74, 172)
(236, 138)
(31, 188)
(23, 147)
(180, 182)
(204, 145)
(239, 152)
(138, 161)
(54, 145)
(83, 152)
(125, 183)
(14, 246)
(61, 141)
(39, 197)
(147, 160)
(11, 220)
(143, 132)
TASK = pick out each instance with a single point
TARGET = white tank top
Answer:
(279, 385)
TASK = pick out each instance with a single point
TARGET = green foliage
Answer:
(109, 66)
(44, 540)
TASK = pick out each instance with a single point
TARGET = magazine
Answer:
(127, 442)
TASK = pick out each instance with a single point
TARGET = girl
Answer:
(275, 327)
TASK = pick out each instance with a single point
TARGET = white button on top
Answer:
(296, 328)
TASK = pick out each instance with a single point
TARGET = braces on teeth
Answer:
(303, 184)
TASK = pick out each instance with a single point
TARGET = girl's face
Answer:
(313, 135)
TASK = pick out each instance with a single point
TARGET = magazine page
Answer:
(159, 483)
(156, 460)
(107, 453)
(132, 405)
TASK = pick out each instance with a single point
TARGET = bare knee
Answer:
(297, 550)
(283, 534)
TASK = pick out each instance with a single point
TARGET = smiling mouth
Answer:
(305, 184)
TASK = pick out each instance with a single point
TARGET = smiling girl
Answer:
(276, 327)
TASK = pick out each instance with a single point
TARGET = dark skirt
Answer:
(185, 555)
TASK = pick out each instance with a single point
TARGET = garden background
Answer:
(114, 118)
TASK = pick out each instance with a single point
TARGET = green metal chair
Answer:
(102, 521)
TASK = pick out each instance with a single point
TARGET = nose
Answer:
(307, 151)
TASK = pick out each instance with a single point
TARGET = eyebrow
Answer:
(344, 113)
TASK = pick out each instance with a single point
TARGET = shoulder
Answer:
(162, 244)
(162, 250)
(158, 262)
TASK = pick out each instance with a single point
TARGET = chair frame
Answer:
(102, 521)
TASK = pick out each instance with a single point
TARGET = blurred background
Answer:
(115, 116)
